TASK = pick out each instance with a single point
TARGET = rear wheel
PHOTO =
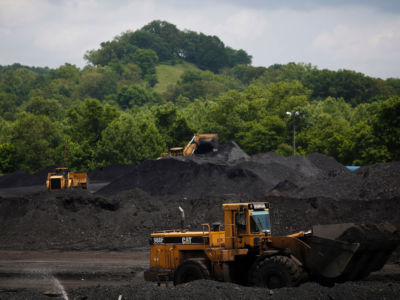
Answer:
(275, 272)
(191, 270)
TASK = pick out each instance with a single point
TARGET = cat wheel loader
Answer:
(63, 179)
(199, 144)
(245, 252)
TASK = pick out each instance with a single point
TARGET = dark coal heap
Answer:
(139, 199)
(231, 171)
(20, 178)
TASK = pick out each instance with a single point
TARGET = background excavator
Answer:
(245, 252)
(200, 143)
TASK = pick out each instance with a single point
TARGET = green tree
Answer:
(262, 136)
(173, 127)
(201, 84)
(88, 120)
(365, 149)
(386, 126)
(97, 82)
(146, 40)
(68, 72)
(225, 116)
(35, 138)
(8, 158)
(8, 105)
(5, 131)
(169, 34)
(329, 136)
(147, 59)
(395, 84)
(79, 156)
(18, 82)
(131, 73)
(47, 107)
(133, 95)
(117, 50)
(129, 140)
(247, 74)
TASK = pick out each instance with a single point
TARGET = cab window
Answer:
(240, 220)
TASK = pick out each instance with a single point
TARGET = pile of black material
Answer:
(78, 220)
(304, 191)
(20, 178)
(227, 171)
(109, 173)
(231, 171)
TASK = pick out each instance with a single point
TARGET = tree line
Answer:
(110, 113)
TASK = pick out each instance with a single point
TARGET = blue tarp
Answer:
(352, 168)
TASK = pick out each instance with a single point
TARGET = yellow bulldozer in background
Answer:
(200, 143)
(63, 179)
(245, 252)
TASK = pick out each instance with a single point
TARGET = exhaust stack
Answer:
(182, 218)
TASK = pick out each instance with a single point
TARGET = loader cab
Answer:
(176, 151)
(62, 172)
(246, 224)
(58, 179)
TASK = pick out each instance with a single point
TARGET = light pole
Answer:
(296, 113)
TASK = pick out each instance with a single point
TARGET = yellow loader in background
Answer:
(63, 179)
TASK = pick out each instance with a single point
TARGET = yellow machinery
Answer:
(63, 179)
(199, 144)
(245, 252)
(78, 179)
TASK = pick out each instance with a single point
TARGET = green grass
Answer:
(168, 74)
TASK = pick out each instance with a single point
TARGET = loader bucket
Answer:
(342, 252)
(206, 145)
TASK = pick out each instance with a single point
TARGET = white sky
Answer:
(360, 35)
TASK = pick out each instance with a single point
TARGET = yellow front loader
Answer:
(63, 179)
(245, 251)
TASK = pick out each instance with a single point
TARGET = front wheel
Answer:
(190, 270)
(275, 272)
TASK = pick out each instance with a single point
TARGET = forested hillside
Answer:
(150, 89)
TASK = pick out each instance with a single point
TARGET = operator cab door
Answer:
(241, 229)
(249, 226)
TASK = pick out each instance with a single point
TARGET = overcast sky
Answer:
(340, 34)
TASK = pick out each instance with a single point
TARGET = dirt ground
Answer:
(93, 244)
(109, 274)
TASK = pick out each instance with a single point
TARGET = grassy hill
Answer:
(168, 74)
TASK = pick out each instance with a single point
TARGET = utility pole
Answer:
(296, 113)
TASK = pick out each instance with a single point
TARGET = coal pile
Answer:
(109, 173)
(79, 220)
(231, 171)
(171, 176)
(227, 171)
(304, 191)
(20, 178)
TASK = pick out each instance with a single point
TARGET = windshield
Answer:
(260, 221)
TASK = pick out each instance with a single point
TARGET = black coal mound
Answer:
(20, 178)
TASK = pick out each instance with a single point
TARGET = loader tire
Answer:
(276, 272)
(190, 270)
